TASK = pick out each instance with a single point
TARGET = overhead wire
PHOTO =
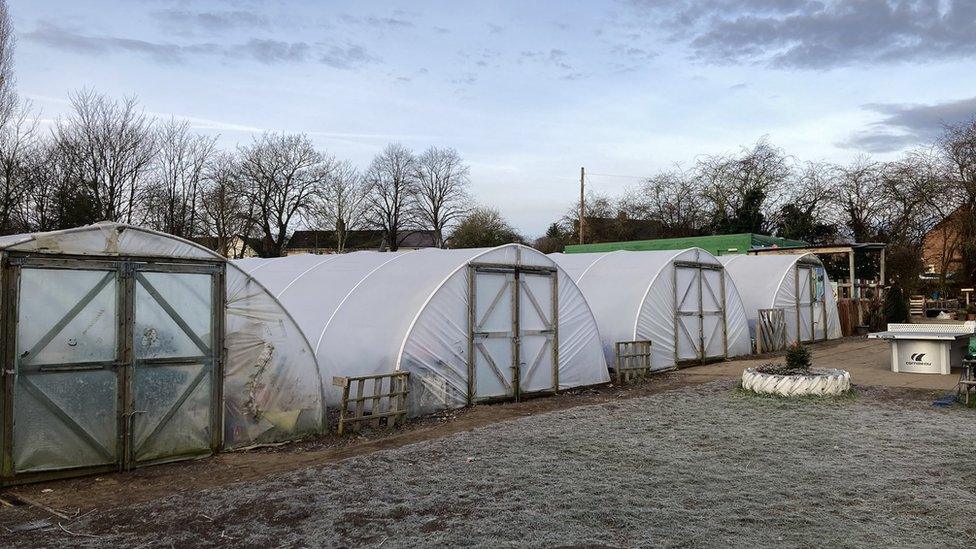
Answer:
(616, 175)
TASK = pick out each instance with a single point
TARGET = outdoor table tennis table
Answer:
(926, 348)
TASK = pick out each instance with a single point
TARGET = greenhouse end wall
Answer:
(115, 340)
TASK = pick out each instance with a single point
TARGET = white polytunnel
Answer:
(130, 347)
(796, 283)
(468, 325)
(681, 300)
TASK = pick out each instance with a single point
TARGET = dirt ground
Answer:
(702, 465)
(460, 477)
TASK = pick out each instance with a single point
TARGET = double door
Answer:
(700, 321)
(513, 332)
(109, 364)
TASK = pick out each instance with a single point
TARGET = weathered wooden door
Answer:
(62, 358)
(688, 317)
(811, 303)
(495, 350)
(537, 331)
(513, 329)
(109, 364)
(175, 354)
(714, 327)
(699, 312)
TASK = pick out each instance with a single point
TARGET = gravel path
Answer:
(701, 466)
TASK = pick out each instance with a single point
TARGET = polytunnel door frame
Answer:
(523, 322)
(696, 302)
(811, 303)
(110, 432)
(201, 365)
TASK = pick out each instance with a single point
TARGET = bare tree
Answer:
(178, 170)
(442, 195)
(919, 195)
(391, 192)
(53, 199)
(285, 177)
(109, 147)
(343, 203)
(595, 206)
(958, 149)
(9, 103)
(673, 198)
(808, 206)
(225, 210)
(862, 202)
(743, 189)
(958, 152)
(18, 141)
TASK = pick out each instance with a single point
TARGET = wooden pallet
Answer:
(385, 393)
(771, 331)
(633, 360)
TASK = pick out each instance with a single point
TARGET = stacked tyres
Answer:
(823, 381)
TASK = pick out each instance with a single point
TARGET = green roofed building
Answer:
(722, 244)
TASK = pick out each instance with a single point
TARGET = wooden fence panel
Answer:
(847, 314)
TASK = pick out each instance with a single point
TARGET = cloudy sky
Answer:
(527, 91)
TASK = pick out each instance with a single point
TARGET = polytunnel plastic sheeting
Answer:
(632, 296)
(375, 312)
(769, 281)
(272, 386)
(107, 239)
(312, 287)
(272, 389)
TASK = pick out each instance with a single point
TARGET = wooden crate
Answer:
(385, 393)
(771, 331)
(633, 360)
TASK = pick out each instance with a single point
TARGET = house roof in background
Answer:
(358, 240)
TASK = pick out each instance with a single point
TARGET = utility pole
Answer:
(582, 180)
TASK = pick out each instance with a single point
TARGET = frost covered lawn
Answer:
(698, 466)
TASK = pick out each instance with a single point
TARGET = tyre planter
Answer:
(823, 381)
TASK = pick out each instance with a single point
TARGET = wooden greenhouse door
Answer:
(513, 331)
(700, 320)
(108, 364)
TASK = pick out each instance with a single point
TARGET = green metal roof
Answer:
(722, 244)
